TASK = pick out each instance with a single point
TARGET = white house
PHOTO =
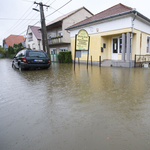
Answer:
(33, 38)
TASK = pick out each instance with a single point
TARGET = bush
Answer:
(2, 52)
(65, 57)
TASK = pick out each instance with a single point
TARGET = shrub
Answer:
(65, 57)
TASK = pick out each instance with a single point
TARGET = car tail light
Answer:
(49, 60)
(24, 60)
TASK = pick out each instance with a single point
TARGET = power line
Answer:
(49, 14)
(26, 23)
(59, 8)
(64, 14)
(47, 1)
(18, 21)
(22, 32)
(53, 2)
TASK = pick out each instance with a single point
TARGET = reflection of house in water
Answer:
(111, 37)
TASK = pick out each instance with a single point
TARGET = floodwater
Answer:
(104, 108)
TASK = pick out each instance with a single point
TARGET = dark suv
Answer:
(31, 59)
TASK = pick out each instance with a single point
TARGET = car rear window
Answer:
(35, 54)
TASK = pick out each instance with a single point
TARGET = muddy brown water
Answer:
(104, 108)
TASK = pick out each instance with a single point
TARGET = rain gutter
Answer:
(132, 38)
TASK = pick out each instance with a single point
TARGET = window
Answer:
(53, 51)
(35, 54)
(120, 45)
(21, 53)
(30, 38)
(60, 33)
(148, 45)
(33, 46)
(63, 49)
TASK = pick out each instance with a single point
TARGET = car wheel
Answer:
(13, 66)
(20, 68)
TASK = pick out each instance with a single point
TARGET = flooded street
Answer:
(104, 108)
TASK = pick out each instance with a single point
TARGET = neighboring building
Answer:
(110, 34)
(13, 39)
(58, 37)
(33, 38)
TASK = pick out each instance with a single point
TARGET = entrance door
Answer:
(54, 55)
(115, 49)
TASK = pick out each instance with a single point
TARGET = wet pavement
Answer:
(61, 109)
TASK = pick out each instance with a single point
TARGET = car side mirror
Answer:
(15, 57)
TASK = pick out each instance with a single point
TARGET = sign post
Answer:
(82, 41)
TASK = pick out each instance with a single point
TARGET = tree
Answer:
(17, 47)
(2, 51)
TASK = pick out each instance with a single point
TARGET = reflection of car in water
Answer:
(26, 59)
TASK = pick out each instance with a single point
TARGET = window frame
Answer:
(148, 45)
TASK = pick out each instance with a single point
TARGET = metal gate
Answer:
(54, 58)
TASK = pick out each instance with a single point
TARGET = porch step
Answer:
(106, 63)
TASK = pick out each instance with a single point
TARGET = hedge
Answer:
(65, 57)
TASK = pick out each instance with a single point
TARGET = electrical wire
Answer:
(47, 15)
(22, 32)
(64, 14)
(33, 16)
(59, 8)
(18, 21)
(52, 2)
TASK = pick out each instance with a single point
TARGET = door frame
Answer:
(114, 56)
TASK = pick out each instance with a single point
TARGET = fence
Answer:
(140, 60)
(54, 58)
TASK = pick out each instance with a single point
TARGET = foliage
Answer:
(65, 57)
(18, 47)
(12, 51)
(2, 52)
(57, 37)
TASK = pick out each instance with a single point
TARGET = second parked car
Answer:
(26, 59)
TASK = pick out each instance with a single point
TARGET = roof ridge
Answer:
(112, 7)
(33, 26)
(111, 11)
(62, 17)
(126, 6)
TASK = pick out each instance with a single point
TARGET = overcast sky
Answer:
(16, 15)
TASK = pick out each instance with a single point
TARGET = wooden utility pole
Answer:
(43, 28)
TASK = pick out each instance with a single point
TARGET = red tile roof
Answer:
(36, 31)
(14, 39)
(117, 9)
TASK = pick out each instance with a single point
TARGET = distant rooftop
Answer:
(14, 39)
(36, 31)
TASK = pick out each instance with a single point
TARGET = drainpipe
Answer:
(132, 37)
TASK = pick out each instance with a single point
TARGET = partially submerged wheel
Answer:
(20, 68)
(13, 66)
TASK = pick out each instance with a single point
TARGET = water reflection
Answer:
(59, 108)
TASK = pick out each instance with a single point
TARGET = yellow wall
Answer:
(97, 40)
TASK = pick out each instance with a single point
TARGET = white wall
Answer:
(34, 42)
(69, 21)
(104, 26)
(141, 25)
(110, 25)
